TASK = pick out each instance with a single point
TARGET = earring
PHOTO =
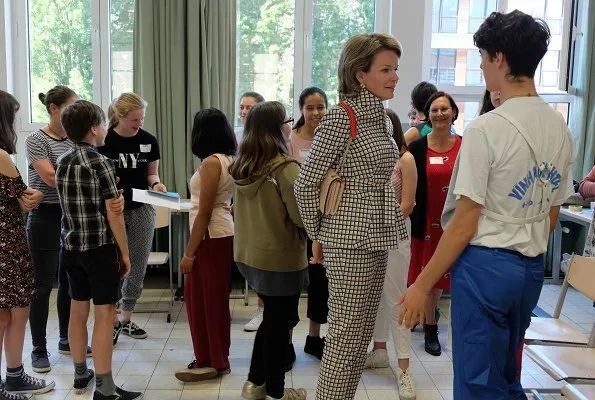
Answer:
(362, 85)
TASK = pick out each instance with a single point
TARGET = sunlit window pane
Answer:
(59, 49)
(265, 49)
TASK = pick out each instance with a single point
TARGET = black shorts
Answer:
(93, 274)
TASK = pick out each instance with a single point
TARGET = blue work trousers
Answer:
(493, 294)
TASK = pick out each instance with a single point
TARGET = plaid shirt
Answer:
(85, 179)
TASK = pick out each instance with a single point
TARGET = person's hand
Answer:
(317, 255)
(30, 199)
(124, 261)
(413, 302)
(117, 206)
(160, 187)
(186, 264)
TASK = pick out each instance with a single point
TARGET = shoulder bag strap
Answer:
(353, 133)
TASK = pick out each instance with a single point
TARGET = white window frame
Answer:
(101, 59)
(475, 93)
(303, 32)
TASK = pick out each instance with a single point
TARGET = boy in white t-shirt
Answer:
(511, 176)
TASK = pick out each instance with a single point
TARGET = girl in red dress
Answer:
(435, 157)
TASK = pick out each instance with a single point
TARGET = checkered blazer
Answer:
(369, 216)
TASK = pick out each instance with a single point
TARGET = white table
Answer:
(582, 218)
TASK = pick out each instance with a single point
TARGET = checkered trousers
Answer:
(356, 278)
(369, 216)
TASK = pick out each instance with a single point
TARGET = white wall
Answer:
(407, 25)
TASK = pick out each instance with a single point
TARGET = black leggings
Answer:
(280, 315)
(43, 235)
(317, 291)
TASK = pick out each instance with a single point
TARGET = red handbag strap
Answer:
(349, 110)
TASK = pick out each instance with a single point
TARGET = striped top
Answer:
(41, 146)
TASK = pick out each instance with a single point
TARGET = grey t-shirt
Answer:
(41, 146)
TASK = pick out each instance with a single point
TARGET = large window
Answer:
(479, 10)
(461, 39)
(445, 16)
(443, 67)
(121, 30)
(284, 46)
(83, 44)
(333, 24)
(59, 49)
(265, 49)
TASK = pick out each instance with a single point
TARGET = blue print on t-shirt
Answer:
(550, 175)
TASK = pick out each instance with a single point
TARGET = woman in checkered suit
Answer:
(369, 222)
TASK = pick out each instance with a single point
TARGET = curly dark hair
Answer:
(522, 39)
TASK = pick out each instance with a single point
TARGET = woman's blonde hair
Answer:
(122, 105)
(357, 55)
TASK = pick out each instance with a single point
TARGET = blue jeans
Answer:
(493, 294)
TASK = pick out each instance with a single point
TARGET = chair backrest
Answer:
(581, 275)
(162, 217)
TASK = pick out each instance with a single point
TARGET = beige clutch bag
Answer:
(333, 185)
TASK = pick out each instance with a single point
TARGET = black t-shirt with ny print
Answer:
(132, 156)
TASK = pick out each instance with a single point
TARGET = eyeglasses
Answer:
(288, 121)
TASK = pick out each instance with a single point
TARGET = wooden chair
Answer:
(554, 330)
(571, 364)
(579, 392)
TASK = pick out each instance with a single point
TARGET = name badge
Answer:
(145, 148)
(304, 153)
(436, 160)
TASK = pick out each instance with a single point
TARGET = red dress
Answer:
(437, 181)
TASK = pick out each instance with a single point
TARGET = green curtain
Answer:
(184, 61)
(582, 118)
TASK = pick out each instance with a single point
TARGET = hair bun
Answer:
(41, 97)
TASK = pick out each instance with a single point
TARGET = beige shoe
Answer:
(292, 394)
(251, 391)
(196, 374)
(377, 359)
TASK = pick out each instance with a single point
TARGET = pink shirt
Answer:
(299, 148)
(221, 224)
(587, 187)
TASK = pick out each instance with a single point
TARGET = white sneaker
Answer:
(292, 394)
(377, 359)
(406, 385)
(254, 323)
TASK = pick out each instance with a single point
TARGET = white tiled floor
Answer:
(148, 365)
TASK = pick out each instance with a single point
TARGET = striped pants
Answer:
(356, 278)
(140, 227)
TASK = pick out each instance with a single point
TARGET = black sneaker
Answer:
(4, 395)
(40, 360)
(82, 384)
(314, 346)
(117, 331)
(120, 394)
(27, 384)
(131, 329)
(64, 348)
